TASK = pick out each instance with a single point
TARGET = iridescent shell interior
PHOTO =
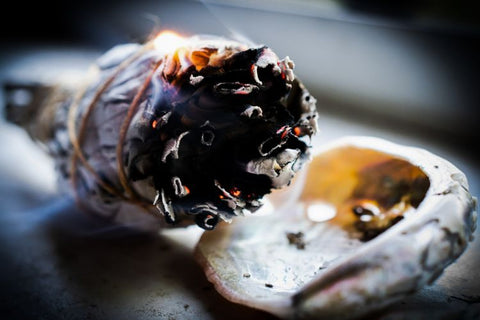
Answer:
(363, 191)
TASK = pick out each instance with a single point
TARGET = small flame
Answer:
(168, 41)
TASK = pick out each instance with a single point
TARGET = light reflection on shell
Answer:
(425, 218)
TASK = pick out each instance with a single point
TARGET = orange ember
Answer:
(235, 192)
(297, 131)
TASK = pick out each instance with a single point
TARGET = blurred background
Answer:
(403, 70)
(411, 64)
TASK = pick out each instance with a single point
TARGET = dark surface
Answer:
(66, 266)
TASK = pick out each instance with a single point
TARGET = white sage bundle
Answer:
(197, 132)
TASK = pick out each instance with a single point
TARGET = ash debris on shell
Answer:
(297, 239)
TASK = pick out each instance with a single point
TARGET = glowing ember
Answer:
(235, 192)
(168, 41)
(297, 131)
(283, 131)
